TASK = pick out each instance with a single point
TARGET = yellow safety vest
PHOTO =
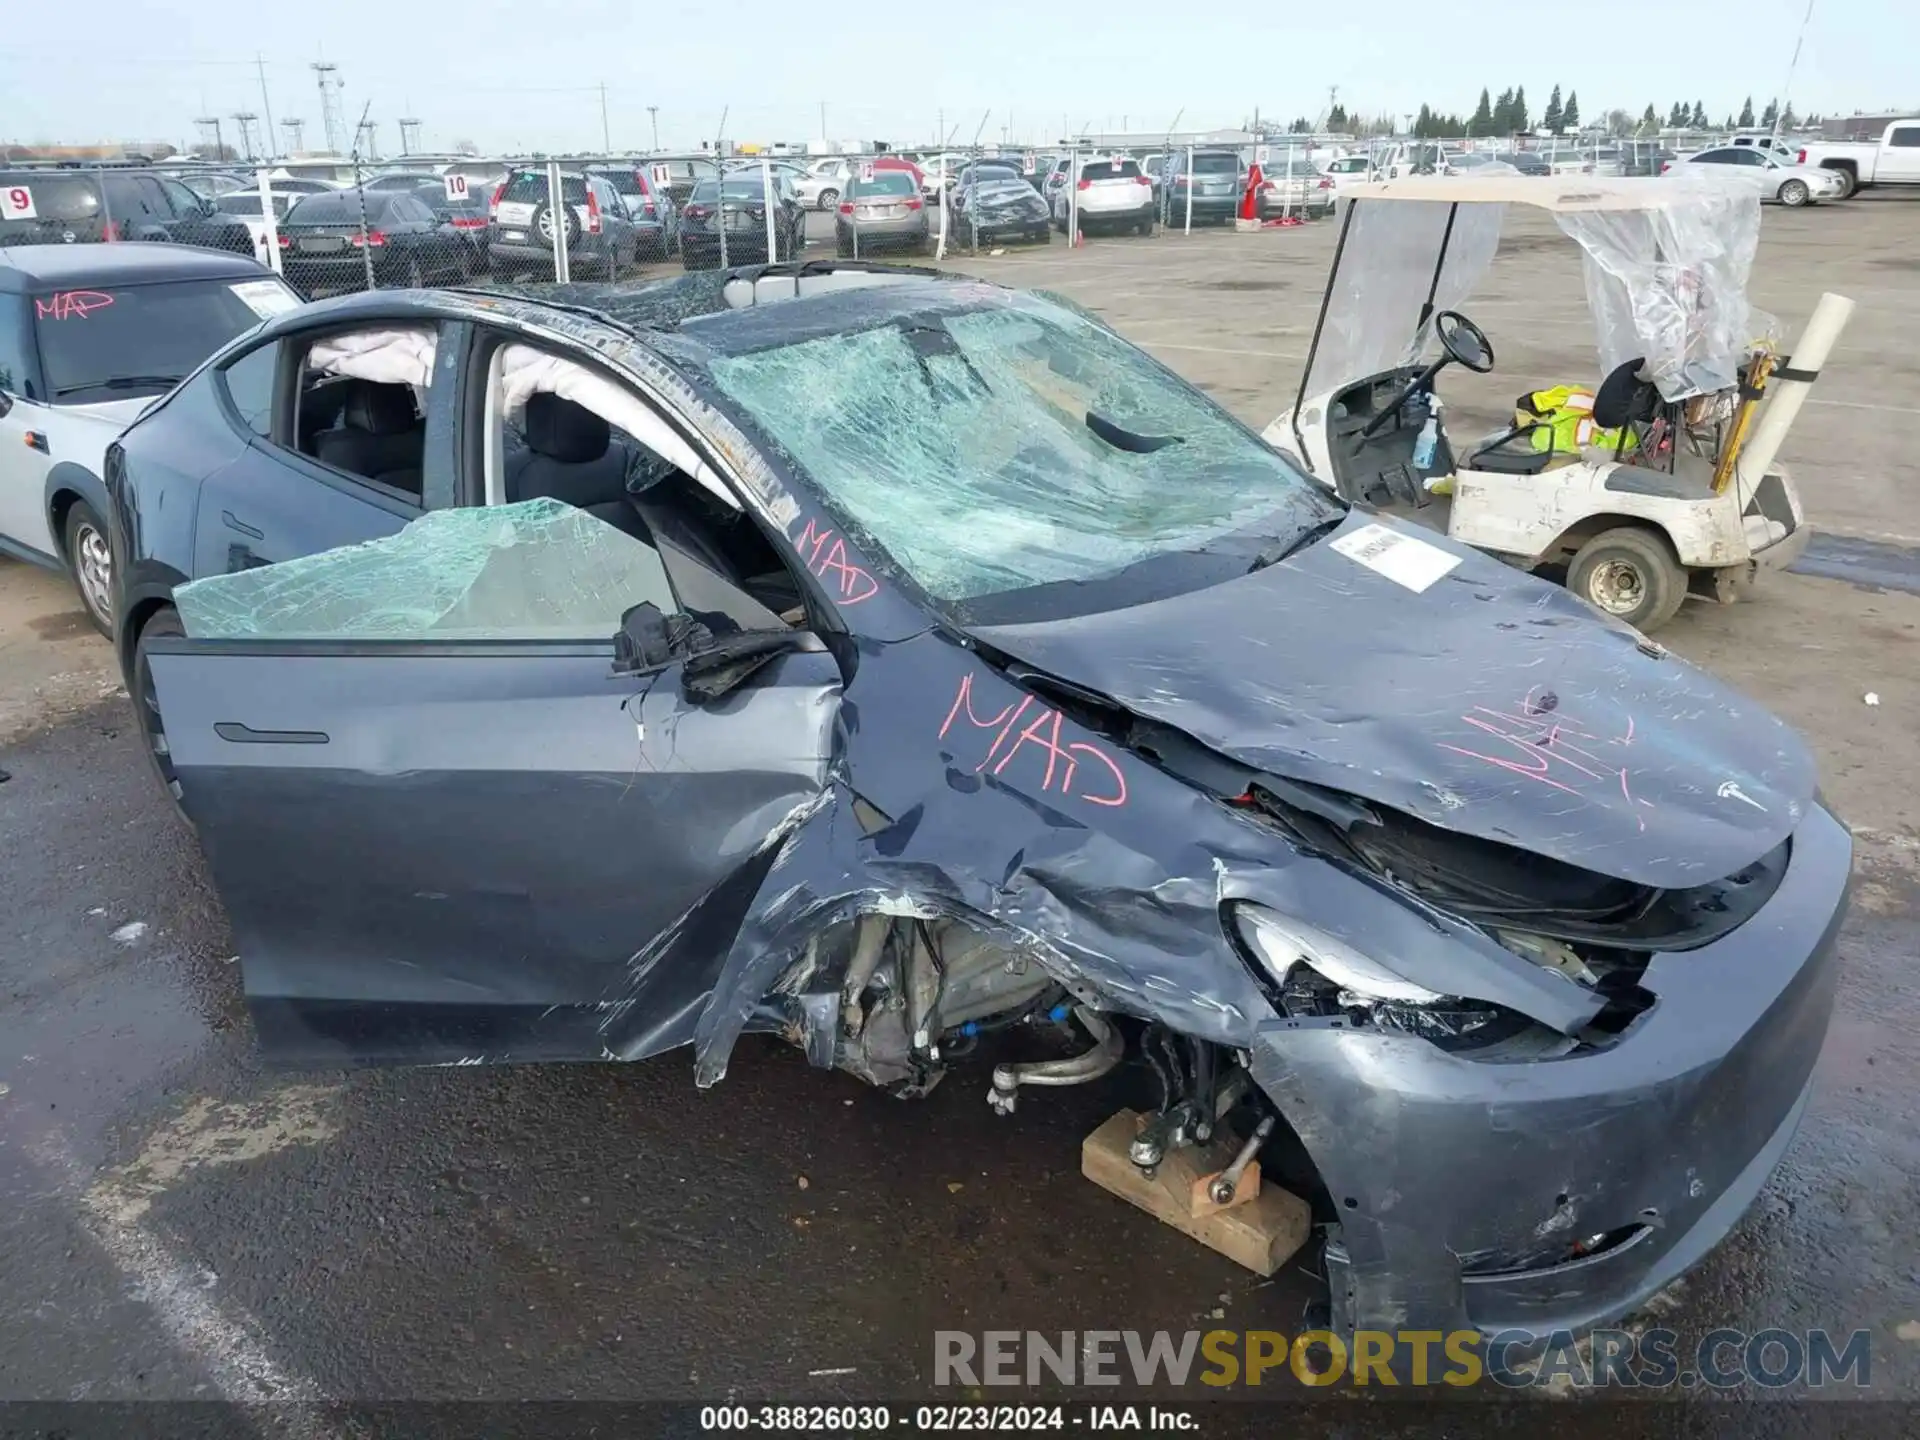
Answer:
(1562, 417)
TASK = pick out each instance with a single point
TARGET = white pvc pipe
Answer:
(766, 199)
(557, 214)
(263, 177)
(1785, 396)
(1189, 225)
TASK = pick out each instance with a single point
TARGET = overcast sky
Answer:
(525, 76)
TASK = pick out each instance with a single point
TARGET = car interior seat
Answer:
(571, 456)
(380, 435)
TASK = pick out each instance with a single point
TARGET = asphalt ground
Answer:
(178, 1222)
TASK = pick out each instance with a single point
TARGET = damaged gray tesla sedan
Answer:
(891, 661)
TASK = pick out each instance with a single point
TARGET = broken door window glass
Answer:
(538, 570)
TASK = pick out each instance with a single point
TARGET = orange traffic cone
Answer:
(1250, 201)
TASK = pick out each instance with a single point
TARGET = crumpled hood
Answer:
(1487, 702)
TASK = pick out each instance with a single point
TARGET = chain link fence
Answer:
(344, 225)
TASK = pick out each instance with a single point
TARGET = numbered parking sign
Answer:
(866, 173)
(662, 174)
(16, 203)
(1260, 155)
(1029, 162)
(456, 187)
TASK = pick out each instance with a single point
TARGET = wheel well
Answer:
(1852, 167)
(57, 512)
(138, 617)
(1579, 533)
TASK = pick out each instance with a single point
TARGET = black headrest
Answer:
(564, 431)
(1623, 396)
(379, 409)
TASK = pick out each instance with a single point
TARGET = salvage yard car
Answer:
(89, 335)
(897, 663)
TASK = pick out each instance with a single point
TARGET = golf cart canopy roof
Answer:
(1666, 262)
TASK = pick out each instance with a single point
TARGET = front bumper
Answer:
(1462, 1188)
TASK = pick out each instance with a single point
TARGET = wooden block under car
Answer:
(1259, 1229)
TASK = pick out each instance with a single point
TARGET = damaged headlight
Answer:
(1320, 975)
(1283, 943)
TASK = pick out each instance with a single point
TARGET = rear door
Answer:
(444, 828)
(1900, 156)
(25, 446)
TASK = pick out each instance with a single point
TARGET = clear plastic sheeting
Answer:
(539, 570)
(1667, 281)
(1012, 447)
(1387, 271)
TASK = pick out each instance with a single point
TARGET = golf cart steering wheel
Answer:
(1464, 341)
(1461, 343)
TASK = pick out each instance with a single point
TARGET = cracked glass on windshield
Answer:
(1013, 447)
(538, 570)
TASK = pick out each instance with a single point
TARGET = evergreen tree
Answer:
(1770, 114)
(1570, 115)
(1423, 124)
(1482, 121)
(1301, 126)
(1745, 121)
(1337, 118)
(1698, 120)
(1677, 117)
(1503, 114)
(1551, 121)
(1521, 120)
(1789, 120)
(1650, 120)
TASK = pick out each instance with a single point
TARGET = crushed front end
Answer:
(1558, 1183)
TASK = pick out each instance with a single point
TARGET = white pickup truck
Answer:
(1892, 160)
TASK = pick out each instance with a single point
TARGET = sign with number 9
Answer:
(19, 203)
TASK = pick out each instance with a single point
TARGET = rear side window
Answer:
(884, 182)
(1906, 137)
(1113, 169)
(1216, 164)
(248, 384)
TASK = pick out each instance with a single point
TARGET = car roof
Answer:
(26, 268)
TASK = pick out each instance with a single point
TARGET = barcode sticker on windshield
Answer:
(266, 298)
(1401, 558)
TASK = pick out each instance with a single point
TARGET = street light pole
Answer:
(653, 113)
(606, 135)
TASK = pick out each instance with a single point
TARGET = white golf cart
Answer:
(1668, 485)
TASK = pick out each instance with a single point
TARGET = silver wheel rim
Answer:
(546, 224)
(93, 567)
(1617, 587)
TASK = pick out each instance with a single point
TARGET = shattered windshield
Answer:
(538, 570)
(1014, 447)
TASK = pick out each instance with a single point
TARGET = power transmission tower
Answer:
(409, 136)
(328, 75)
(244, 119)
(366, 142)
(296, 129)
(211, 124)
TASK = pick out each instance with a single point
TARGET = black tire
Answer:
(1794, 194)
(829, 198)
(1849, 182)
(90, 564)
(1632, 574)
(1145, 227)
(146, 705)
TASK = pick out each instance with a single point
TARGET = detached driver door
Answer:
(442, 825)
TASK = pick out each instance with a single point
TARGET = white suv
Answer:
(90, 335)
(1110, 191)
